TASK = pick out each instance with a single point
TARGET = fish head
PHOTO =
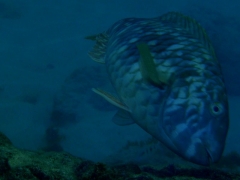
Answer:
(195, 120)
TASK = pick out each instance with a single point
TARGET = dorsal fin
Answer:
(99, 49)
(189, 24)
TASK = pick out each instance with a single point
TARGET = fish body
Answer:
(168, 81)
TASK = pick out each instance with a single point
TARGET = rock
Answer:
(18, 164)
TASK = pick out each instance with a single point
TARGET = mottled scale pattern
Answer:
(167, 46)
(188, 109)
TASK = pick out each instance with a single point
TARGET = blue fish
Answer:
(168, 81)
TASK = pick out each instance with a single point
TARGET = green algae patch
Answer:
(4, 141)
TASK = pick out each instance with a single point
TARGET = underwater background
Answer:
(46, 75)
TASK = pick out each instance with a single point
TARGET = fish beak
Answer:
(210, 158)
(206, 155)
(202, 157)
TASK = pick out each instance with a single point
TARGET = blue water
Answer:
(46, 76)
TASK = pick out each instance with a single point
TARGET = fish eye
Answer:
(216, 108)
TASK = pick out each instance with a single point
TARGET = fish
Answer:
(168, 81)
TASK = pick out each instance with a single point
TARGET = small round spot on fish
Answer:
(137, 29)
(182, 94)
(175, 34)
(152, 43)
(160, 32)
(149, 33)
(180, 38)
(179, 53)
(175, 46)
(207, 57)
(128, 24)
(123, 48)
(197, 60)
(133, 40)
(200, 67)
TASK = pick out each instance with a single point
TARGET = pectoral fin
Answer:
(122, 118)
(110, 98)
(148, 67)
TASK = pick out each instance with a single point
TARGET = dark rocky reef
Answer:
(17, 164)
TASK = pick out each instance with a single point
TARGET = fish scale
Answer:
(168, 81)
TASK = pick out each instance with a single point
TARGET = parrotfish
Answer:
(168, 81)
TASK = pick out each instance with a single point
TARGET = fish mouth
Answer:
(203, 157)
